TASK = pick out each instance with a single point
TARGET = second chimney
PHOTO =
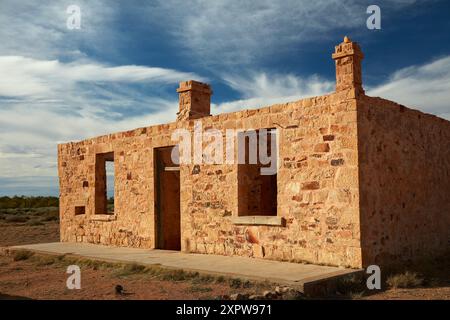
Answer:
(194, 100)
(348, 56)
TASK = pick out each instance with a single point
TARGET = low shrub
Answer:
(43, 260)
(235, 283)
(405, 280)
(178, 275)
(131, 269)
(15, 218)
(34, 222)
(51, 216)
(20, 255)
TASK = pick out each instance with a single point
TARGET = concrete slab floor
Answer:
(301, 276)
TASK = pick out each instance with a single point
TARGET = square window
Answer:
(257, 186)
(80, 210)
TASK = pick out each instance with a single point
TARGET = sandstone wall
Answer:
(133, 221)
(405, 182)
(317, 187)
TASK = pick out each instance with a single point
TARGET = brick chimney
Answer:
(195, 100)
(348, 56)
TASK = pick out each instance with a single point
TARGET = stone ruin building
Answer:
(361, 180)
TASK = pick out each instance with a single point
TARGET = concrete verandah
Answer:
(305, 277)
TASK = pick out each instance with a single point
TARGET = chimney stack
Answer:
(348, 56)
(194, 99)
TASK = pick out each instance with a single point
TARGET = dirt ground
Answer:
(436, 293)
(36, 279)
(43, 278)
(29, 225)
(20, 233)
(33, 279)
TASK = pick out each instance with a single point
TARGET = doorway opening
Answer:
(167, 199)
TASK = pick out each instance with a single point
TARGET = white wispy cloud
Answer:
(425, 87)
(52, 90)
(260, 89)
(39, 30)
(224, 33)
(46, 78)
(38, 131)
(45, 102)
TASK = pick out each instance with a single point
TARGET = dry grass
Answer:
(29, 216)
(197, 288)
(351, 286)
(405, 280)
(19, 255)
(124, 270)
(14, 218)
(130, 269)
(43, 276)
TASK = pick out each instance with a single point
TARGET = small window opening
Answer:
(80, 210)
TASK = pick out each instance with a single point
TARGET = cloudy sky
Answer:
(121, 69)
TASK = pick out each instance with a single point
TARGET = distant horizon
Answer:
(20, 186)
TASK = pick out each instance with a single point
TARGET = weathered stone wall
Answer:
(404, 174)
(317, 187)
(361, 180)
(133, 221)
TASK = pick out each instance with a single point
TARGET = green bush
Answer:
(33, 216)
(28, 202)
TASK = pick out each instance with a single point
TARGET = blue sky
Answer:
(121, 69)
